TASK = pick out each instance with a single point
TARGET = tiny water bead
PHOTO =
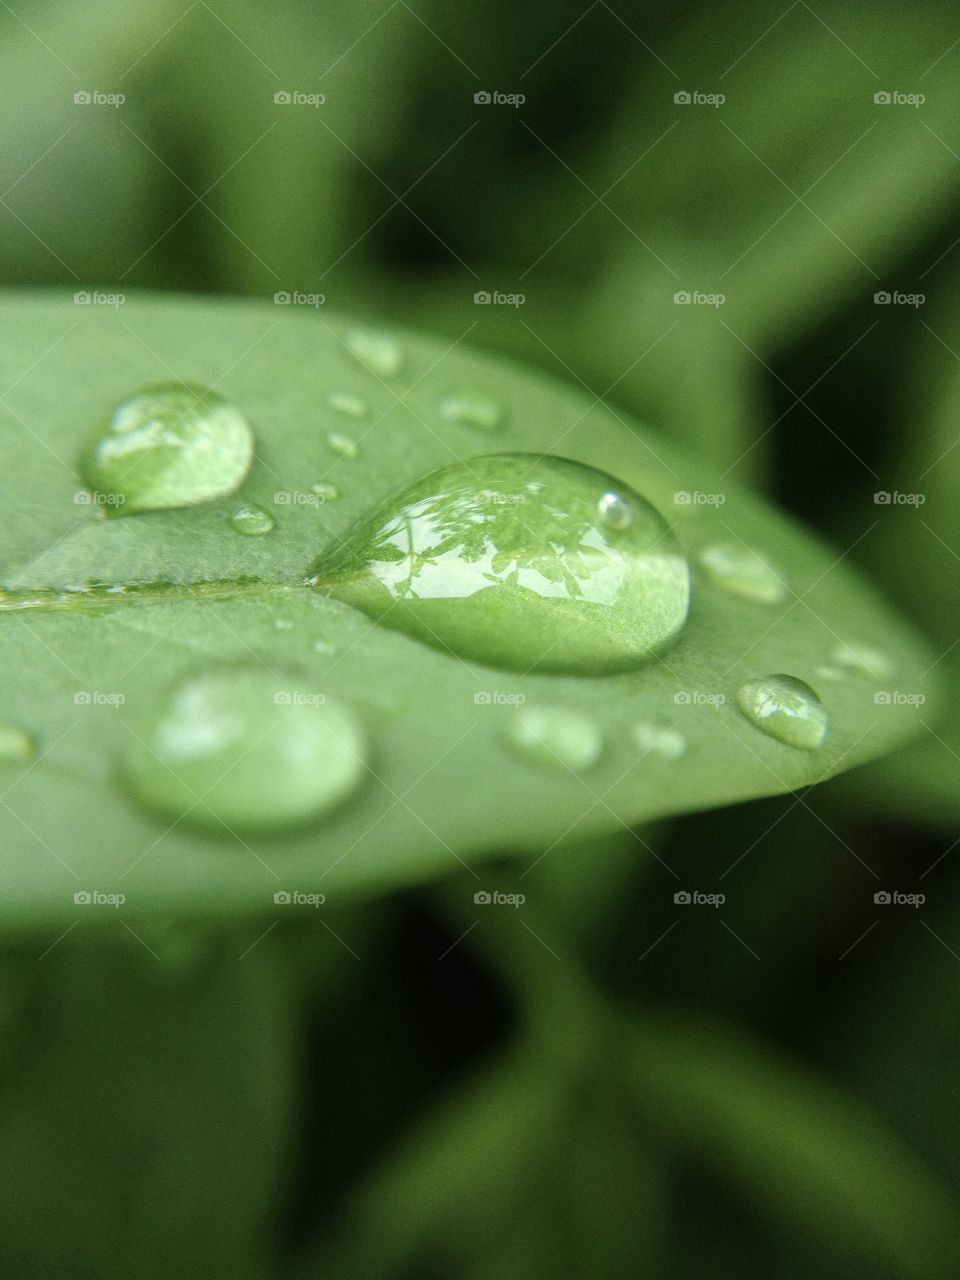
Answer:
(241, 748)
(471, 409)
(349, 405)
(506, 560)
(344, 446)
(658, 740)
(16, 745)
(325, 492)
(786, 709)
(555, 737)
(743, 572)
(862, 660)
(376, 352)
(252, 521)
(170, 445)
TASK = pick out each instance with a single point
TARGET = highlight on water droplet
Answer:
(786, 709)
(252, 521)
(350, 406)
(376, 352)
(555, 737)
(471, 409)
(651, 738)
(16, 745)
(239, 748)
(506, 560)
(343, 445)
(862, 660)
(743, 572)
(615, 511)
(170, 445)
(324, 491)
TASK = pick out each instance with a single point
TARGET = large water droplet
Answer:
(506, 559)
(471, 409)
(377, 352)
(556, 737)
(16, 746)
(659, 740)
(743, 572)
(170, 445)
(252, 521)
(242, 748)
(786, 709)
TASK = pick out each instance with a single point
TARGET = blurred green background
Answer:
(609, 1085)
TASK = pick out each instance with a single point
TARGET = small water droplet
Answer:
(505, 559)
(615, 511)
(829, 673)
(16, 746)
(343, 445)
(170, 445)
(659, 739)
(242, 748)
(786, 709)
(349, 405)
(556, 737)
(323, 646)
(325, 492)
(863, 661)
(471, 409)
(743, 572)
(377, 352)
(252, 521)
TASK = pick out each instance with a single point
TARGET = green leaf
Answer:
(82, 668)
(804, 1151)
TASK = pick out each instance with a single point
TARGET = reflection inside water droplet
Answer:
(786, 709)
(505, 559)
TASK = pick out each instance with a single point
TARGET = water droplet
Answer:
(252, 521)
(377, 352)
(615, 511)
(786, 709)
(16, 746)
(325, 492)
(556, 737)
(323, 646)
(505, 559)
(471, 409)
(241, 748)
(171, 445)
(349, 405)
(743, 572)
(345, 446)
(282, 624)
(863, 661)
(659, 740)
